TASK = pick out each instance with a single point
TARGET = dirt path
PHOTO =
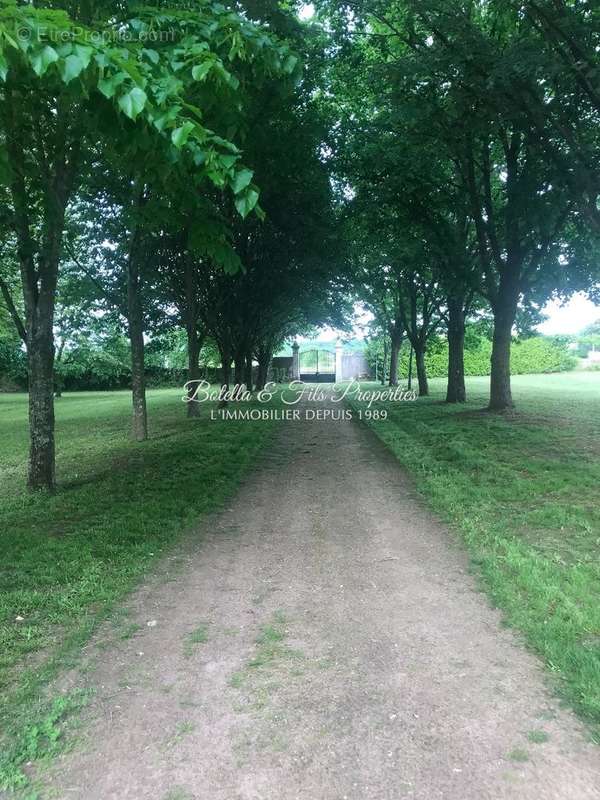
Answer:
(325, 641)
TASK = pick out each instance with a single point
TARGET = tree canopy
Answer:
(232, 173)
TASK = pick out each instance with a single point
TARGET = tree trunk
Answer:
(225, 355)
(239, 366)
(456, 391)
(39, 280)
(40, 359)
(505, 310)
(39, 304)
(248, 372)
(226, 374)
(264, 359)
(194, 345)
(194, 342)
(39, 290)
(394, 357)
(421, 372)
(135, 322)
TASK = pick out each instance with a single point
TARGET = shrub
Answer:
(540, 354)
(534, 355)
(93, 368)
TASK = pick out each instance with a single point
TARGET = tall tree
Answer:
(69, 77)
(465, 65)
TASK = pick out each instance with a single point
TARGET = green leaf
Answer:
(160, 122)
(180, 135)
(71, 67)
(163, 120)
(152, 55)
(216, 177)
(228, 161)
(85, 54)
(229, 260)
(108, 86)
(245, 202)
(133, 102)
(241, 180)
(10, 40)
(3, 66)
(64, 49)
(101, 59)
(225, 75)
(224, 143)
(289, 64)
(200, 71)
(41, 60)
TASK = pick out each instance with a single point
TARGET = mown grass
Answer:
(524, 492)
(66, 559)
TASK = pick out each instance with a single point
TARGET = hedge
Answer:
(534, 355)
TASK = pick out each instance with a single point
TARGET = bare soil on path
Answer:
(320, 639)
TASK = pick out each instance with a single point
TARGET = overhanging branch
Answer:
(12, 310)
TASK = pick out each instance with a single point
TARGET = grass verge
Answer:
(523, 491)
(67, 559)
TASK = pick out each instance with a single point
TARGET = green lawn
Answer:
(66, 559)
(524, 492)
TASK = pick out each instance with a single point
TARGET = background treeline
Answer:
(106, 365)
(588, 340)
(97, 364)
